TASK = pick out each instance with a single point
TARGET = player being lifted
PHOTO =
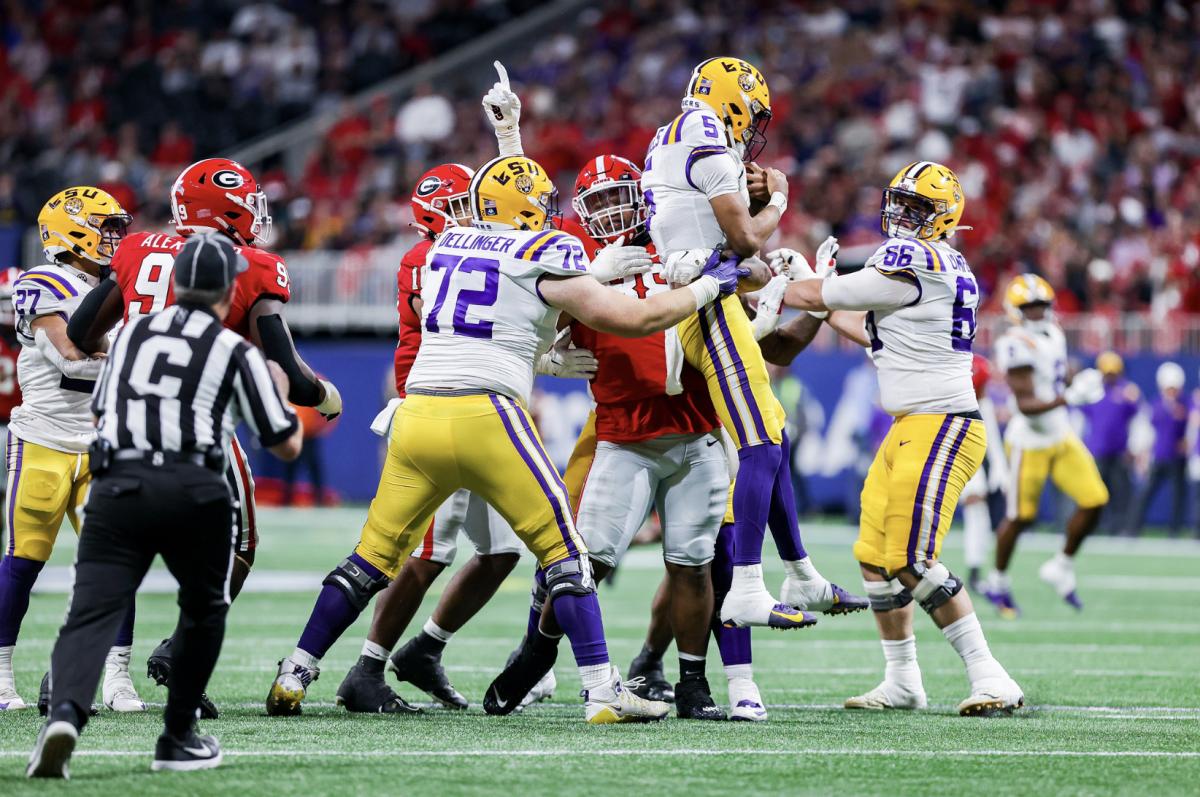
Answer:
(47, 458)
(1041, 442)
(920, 299)
(222, 195)
(491, 299)
(696, 189)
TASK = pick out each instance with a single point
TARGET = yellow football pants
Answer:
(44, 486)
(1068, 463)
(580, 463)
(488, 445)
(912, 488)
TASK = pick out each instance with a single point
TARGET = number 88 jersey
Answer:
(144, 262)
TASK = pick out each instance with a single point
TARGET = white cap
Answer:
(1170, 375)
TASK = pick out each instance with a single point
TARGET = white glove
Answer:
(502, 107)
(617, 261)
(683, 267)
(331, 405)
(770, 299)
(382, 425)
(826, 260)
(566, 361)
(1086, 388)
(791, 264)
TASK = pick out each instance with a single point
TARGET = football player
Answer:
(491, 299)
(51, 429)
(1041, 442)
(10, 349)
(695, 187)
(920, 299)
(218, 194)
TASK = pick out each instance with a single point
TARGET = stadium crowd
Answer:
(1075, 125)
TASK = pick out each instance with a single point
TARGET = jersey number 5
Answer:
(455, 278)
(152, 283)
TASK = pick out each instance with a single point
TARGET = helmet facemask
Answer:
(754, 137)
(612, 210)
(1038, 326)
(907, 214)
(112, 229)
(548, 202)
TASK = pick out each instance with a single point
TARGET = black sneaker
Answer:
(654, 684)
(693, 700)
(363, 690)
(53, 751)
(525, 668)
(423, 669)
(158, 669)
(186, 754)
(44, 699)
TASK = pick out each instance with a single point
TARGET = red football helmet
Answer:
(8, 276)
(608, 199)
(220, 194)
(440, 199)
(981, 372)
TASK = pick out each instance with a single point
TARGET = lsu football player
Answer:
(920, 299)
(1041, 442)
(50, 431)
(695, 187)
(491, 297)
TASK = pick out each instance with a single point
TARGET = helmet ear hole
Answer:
(232, 215)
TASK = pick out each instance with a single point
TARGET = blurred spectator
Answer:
(1107, 437)
(1169, 417)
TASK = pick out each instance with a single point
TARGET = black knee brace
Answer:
(936, 587)
(537, 596)
(570, 577)
(358, 586)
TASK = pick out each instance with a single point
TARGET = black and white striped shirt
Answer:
(179, 381)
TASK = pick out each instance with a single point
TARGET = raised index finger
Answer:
(503, 73)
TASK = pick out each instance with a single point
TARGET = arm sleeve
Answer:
(711, 170)
(868, 289)
(83, 326)
(258, 401)
(277, 345)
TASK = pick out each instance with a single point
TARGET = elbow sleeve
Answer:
(277, 345)
(82, 327)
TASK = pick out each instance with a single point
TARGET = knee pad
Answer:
(570, 577)
(887, 595)
(538, 595)
(937, 586)
(358, 585)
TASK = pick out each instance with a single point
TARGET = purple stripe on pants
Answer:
(743, 381)
(706, 333)
(12, 534)
(918, 505)
(941, 493)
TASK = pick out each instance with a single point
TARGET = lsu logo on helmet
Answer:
(512, 193)
(83, 221)
(924, 201)
(737, 92)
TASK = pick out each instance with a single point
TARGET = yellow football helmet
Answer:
(512, 192)
(1109, 363)
(738, 93)
(1023, 291)
(83, 221)
(924, 200)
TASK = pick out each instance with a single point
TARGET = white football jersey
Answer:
(688, 163)
(483, 321)
(923, 351)
(55, 409)
(1045, 351)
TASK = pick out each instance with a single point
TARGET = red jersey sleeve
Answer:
(408, 287)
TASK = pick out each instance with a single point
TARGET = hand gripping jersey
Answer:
(10, 389)
(1046, 353)
(483, 321)
(408, 285)
(923, 351)
(689, 162)
(144, 261)
(55, 410)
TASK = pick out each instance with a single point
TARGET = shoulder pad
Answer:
(554, 252)
(53, 285)
(267, 275)
(696, 127)
(906, 253)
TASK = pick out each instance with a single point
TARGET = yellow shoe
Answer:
(290, 687)
(617, 703)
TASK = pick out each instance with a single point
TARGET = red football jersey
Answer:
(408, 284)
(143, 264)
(10, 391)
(630, 386)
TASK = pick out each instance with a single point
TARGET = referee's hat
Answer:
(208, 262)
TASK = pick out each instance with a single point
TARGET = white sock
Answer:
(977, 533)
(902, 668)
(437, 632)
(1064, 561)
(119, 655)
(1000, 580)
(6, 668)
(802, 569)
(966, 637)
(374, 650)
(748, 578)
(739, 671)
(305, 659)
(595, 678)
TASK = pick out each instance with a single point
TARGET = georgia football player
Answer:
(217, 194)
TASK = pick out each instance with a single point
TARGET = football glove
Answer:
(685, 266)
(791, 264)
(331, 405)
(1086, 388)
(770, 300)
(617, 261)
(564, 360)
(502, 107)
(725, 269)
(826, 260)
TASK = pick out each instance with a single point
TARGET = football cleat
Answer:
(888, 696)
(423, 669)
(543, 690)
(653, 683)
(614, 703)
(9, 699)
(53, 750)
(994, 697)
(820, 596)
(526, 667)
(289, 688)
(158, 669)
(693, 700)
(1002, 599)
(745, 703)
(1059, 573)
(43, 704)
(188, 754)
(364, 691)
(118, 691)
(750, 609)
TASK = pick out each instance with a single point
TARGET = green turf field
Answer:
(1114, 695)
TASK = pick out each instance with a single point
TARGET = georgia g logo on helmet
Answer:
(428, 186)
(227, 178)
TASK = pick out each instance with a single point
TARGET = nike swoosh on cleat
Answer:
(501, 703)
(204, 751)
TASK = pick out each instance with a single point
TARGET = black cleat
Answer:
(525, 668)
(158, 669)
(423, 669)
(186, 754)
(53, 750)
(364, 691)
(693, 700)
(44, 699)
(654, 684)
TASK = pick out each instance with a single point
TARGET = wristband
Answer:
(778, 201)
(821, 314)
(705, 289)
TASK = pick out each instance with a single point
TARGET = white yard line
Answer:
(640, 753)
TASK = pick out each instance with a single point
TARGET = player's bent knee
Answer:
(886, 596)
(694, 553)
(356, 584)
(569, 577)
(937, 585)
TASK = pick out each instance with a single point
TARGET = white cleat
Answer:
(889, 696)
(289, 688)
(53, 751)
(614, 703)
(9, 699)
(119, 692)
(749, 604)
(993, 697)
(542, 690)
(1059, 573)
(745, 703)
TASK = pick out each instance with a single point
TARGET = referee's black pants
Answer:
(135, 511)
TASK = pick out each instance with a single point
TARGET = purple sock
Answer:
(579, 616)
(125, 632)
(537, 601)
(734, 643)
(17, 577)
(757, 466)
(332, 614)
(785, 527)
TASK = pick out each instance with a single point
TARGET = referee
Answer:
(175, 385)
